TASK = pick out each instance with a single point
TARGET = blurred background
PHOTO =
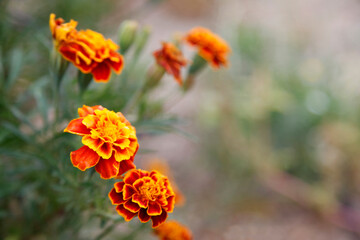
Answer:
(267, 148)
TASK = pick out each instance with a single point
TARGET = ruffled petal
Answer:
(92, 143)
(157, 220)
(171, 203)
(143, 216)
(86, 110)
(90, 121)
(131, 206)
(101, 72)
(119, 186)
(118, 64)
(126, 214)
(116, 198)
(128, 191)
(77, 127)
(143, 202)
(125, 166)
(131, 177)
(154, 209)
(105, 151)
(84, 158)
(107, 168)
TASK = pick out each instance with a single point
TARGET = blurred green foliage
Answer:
(278, 114)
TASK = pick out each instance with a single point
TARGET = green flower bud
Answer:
(197, 65)
(127, 34)
(153, 77)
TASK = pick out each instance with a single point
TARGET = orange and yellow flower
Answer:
(87, 50)
(171, 59)
(147, 195)
(211, 47)
(110, 142)
(172, 230)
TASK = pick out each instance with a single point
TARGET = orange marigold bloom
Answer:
(147, 195)
(171, 59)
(172, 230)
(211, 47)
(87, 50)
(110, 142)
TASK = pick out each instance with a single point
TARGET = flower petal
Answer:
(126, 214)
(131, 177)
(116, 198)
(171, 202)
(119, 186)
(84, 158)
(101, 72)
(154, 209)
(128, 191)
(126, 165)
(105, 151)
(143, 216)
(108, 168)
(143, 202)
(92, 143)
(116, 65)
(90, 121)
(157, 220)
(131, 206)
(86, 110)
(76, 127)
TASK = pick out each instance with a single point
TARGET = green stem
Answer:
(106, 231)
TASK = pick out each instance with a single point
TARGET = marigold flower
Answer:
(211, 47)
(172, 230)
(162, 167)
(87, 50)
(171, 59)
(147, 195)
(110, 142)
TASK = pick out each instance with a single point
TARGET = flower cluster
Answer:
(211, 47)
(87, 50)
(110, 142)
(171, 59)
(147, 195)
(172, 230)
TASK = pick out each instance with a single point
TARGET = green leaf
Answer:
(16, 61)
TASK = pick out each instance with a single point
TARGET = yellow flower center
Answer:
(109, 127)
(150, 189)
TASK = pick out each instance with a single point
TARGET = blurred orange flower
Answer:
(211, 47)
(87, 50)
(147, 195)
(172, 230)
(110, 142)
(171, 59)
(162, 167)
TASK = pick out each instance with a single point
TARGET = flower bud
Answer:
(197, 65)
(153, 77)
(127, 34)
